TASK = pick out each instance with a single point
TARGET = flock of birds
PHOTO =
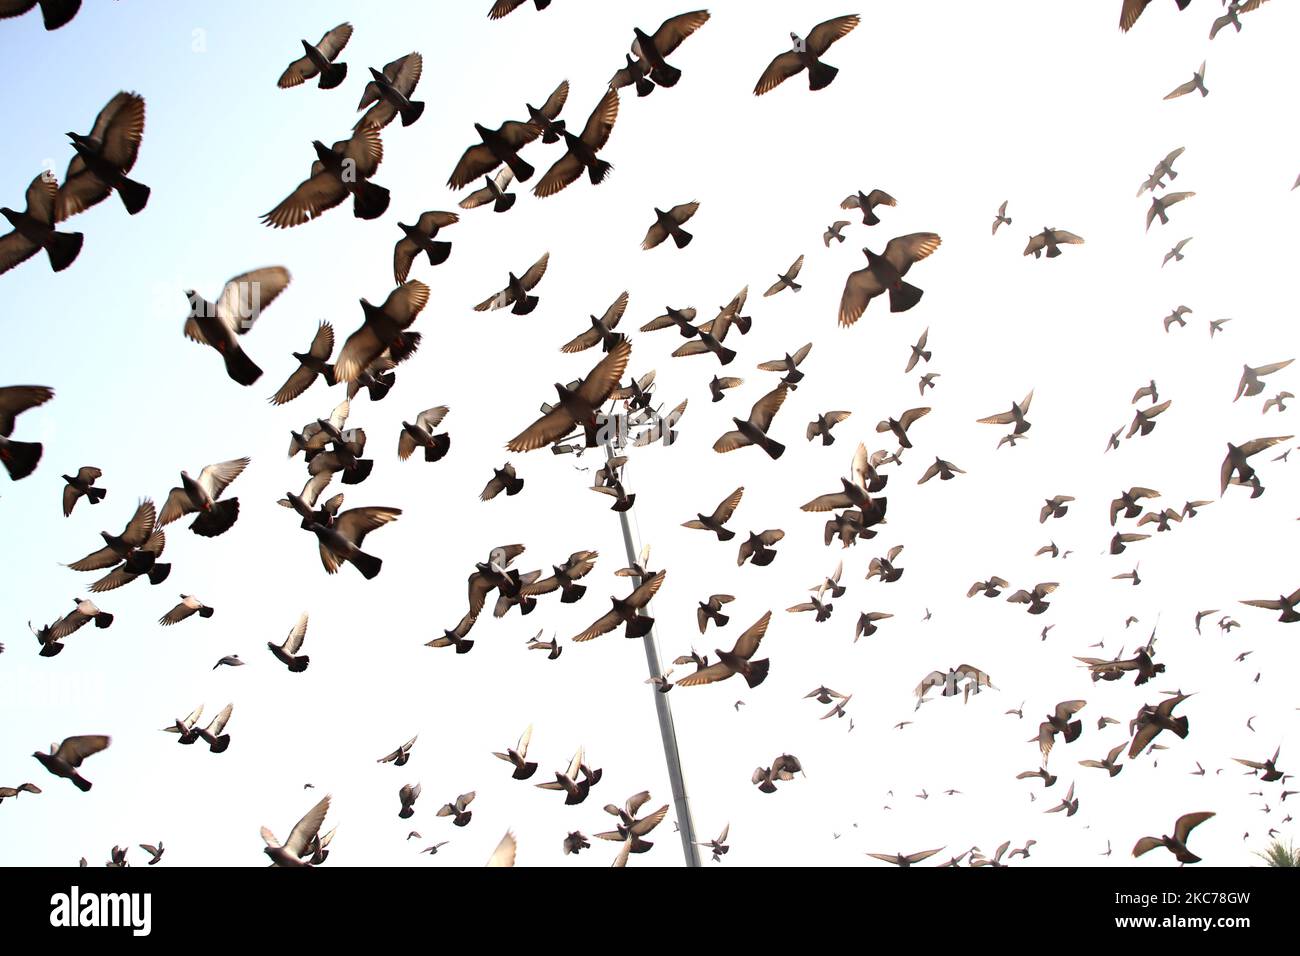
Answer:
(607, 409)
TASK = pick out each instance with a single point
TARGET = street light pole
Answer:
(667, 732)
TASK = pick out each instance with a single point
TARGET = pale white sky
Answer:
(948, 108)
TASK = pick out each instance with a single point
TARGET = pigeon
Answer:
(866, 625)
(408, 795)
(319, 60)
(823, 424)
(625, 611)
(757, 548)
(155, 852)
(1041, 773)
(104, 156)
(1016, 416)
(342, 540)
(339, 171)
(515, 756)
(1059, 722)
(390, 92)
(736, 661)
(500, 9)
(805, 54)
(1269, 766)
(602, 330)
(1176, 253)
(504, 854)
(54, 13)
(720, 516)
(457, 809)
(64, 759)
(493, 191)
(1150, 721)
(576, 781)
(188, 606)
(419, 238)
(789, 364)
(1050, 240)
(503, 479)
(1278, 401)
(1236, 468)
(1001, 219)
(187, 729)
(753, 430)
(1054, 507)
(946, 471)
(578, 405)
(1177, 316)
(867, 203)
(670, 224)
(552, 647)
(564, 579)
(311, 364)
(919, 354)
(547, 118)
(885, 273)
(900, 425)
(7, 792)
(1197, 83)
(581, 151)
(1159, 205)
(200, 496)
(516, 291)
(84, 612)
(230, 660)
(1251, 384)
(1069, 803)
(1176, 844)
(287, 653)
(304, 833)
(82, 485)
(1285, 604)
(710, 610)
(401, 755)
(786, 279)
(420, 435)
(648, 67)
(1109, 763)
(833, 231)
(219, 324)
(33, 229)
(384, 330)
(905, 859)
(783, 767)
(1132, 9)
(137, 550)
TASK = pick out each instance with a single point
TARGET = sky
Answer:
(946, 107)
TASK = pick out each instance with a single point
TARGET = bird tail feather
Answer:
(820, 75)
(63, 248)
(333, 75)
(21, 458)
(240, 367)
(134, 195)
(412, 113)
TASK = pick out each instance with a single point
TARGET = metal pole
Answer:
(667, 731)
